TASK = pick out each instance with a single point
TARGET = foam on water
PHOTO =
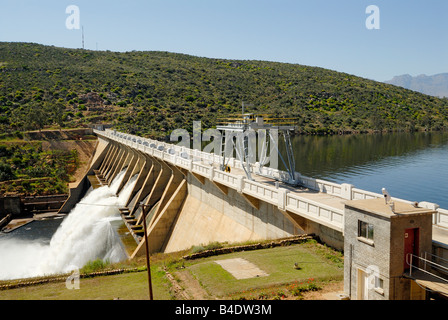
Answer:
(86, 234)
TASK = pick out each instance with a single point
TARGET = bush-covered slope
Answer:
(152, 93)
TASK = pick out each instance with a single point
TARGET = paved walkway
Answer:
(440, 234)
(431, 282)
(241, 268)
(321, 197)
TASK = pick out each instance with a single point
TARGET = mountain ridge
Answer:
(434, 85)
(151, 93)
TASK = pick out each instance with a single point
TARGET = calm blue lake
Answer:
(411, 166)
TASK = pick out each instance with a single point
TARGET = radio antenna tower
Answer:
(82, 36)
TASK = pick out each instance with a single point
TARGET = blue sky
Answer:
(413, 34)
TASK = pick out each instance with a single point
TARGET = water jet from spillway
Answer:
(86, 234)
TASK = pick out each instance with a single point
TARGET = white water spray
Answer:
(85, 235)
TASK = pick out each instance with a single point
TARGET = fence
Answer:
(429, 264)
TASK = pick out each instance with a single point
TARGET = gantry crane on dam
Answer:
(248, 128)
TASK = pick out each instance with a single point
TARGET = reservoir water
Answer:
(411, 166)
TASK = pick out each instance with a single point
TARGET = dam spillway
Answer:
(191, 201)
(86, 234)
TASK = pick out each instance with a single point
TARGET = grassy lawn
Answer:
(317, 265)
(126, 286)
(278, 263)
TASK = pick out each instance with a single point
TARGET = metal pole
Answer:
(350, 272)
(426, 257)
(148, 267)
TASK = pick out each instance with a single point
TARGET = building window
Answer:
(379, 285)
(365, 230)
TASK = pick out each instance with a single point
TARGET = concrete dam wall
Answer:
(210, 214)
(184, 208)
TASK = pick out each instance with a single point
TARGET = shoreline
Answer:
(332, 132)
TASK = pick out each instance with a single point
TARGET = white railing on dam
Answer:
(201, 163)
(315, 211)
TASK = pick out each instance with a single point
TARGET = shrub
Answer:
(211, 246)
(94, 266)
(297, 290)
(197, 249)
(6, 172)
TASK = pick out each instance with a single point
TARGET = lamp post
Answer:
(147, 252)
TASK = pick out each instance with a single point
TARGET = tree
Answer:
(6, 172)
(58, 114)
(37, 117)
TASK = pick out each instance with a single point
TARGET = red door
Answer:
(410, 246)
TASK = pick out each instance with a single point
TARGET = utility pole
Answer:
(148, 267)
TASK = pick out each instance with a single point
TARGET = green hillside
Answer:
(152, 93)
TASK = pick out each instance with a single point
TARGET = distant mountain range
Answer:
(436, 85)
